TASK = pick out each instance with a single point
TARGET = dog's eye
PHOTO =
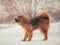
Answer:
(19, 17)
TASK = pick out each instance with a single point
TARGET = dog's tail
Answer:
(45, 14)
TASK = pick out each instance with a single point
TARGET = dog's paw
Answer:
(28, 40)
(23, 40)
(44, 39)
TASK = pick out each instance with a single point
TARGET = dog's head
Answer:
(19, 18)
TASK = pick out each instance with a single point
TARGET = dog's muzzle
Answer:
(17, 20)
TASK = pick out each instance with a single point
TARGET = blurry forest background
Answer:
(9, 9)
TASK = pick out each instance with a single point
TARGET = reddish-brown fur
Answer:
(42, 25)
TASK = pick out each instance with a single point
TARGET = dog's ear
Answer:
(24, 19)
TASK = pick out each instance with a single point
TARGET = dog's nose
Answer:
(16, 20)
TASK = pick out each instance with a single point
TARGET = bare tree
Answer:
(30, 8)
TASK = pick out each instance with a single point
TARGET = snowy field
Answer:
(11, 34)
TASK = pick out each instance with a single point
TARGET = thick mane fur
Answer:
(34, 21)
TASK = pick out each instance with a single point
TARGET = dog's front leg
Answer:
(30, 36)
(25, 37)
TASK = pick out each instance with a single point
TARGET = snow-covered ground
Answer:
(11, 34)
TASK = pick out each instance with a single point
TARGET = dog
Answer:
(41, 22)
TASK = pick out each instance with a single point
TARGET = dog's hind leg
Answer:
(45, 32)
(25, 37)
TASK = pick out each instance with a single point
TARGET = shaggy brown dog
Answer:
(41, 22)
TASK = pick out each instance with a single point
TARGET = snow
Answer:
(12, 34)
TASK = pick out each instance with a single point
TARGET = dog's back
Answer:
(36, 20)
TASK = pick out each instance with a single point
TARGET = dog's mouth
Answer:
(17, 20)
